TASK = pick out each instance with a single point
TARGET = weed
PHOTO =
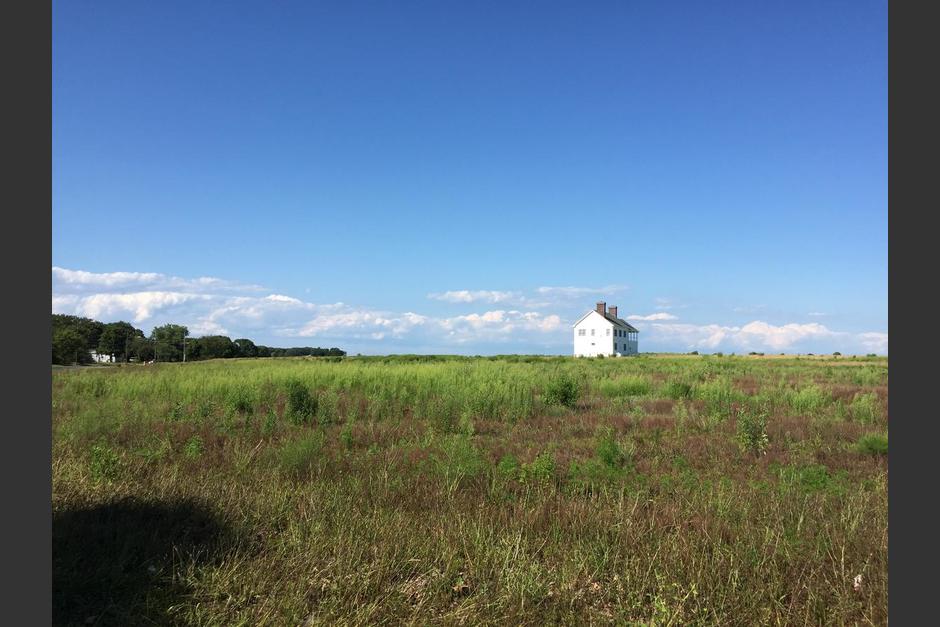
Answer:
(104, 463)
(194, 447)
(752, 431)
(562, 390)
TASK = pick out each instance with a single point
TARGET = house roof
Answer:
(620, 322)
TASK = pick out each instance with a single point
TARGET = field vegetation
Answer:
(672, 490)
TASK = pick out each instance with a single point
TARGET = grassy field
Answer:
(671, 490)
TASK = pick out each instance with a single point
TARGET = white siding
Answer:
(602, 341)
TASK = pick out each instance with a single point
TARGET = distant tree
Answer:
(216, 347)
(246, 348)
(116, 339)
(168, 341)
(69, 347)
(141, 348)
(263, 351)
(89, 330)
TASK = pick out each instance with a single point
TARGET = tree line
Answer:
(75, 338)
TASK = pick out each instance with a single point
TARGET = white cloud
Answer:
(140, 306)
(752, 336)
(655, 316)
(874, 342)
(81, 281)
(212, 306)
(474, 296)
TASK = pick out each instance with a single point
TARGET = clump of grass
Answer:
(562, 390)
(241, 400)
(865, 408)
(297, 457)
(301, 404)
(346, 436)
(623, 387)
(458, 460)
(677, 390)
(752, 431)
(269, 425)
(508, 466)
(873, 444)
(807, 400)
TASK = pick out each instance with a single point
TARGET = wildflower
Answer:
(857, 583)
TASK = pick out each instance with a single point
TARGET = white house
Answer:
(601, 332)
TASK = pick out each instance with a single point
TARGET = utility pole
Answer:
(184, 347)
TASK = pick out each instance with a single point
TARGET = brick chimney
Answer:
(613, 311)
(601, 307)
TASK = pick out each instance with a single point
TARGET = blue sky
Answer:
(415, 177)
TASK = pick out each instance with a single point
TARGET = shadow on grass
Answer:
(112, 564)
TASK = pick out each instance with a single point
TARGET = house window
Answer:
(615, 346)
(592, 331)
(608, 332)
(580, 331)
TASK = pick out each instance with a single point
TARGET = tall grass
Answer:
(435, 489)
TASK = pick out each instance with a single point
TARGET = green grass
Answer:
(442, 490)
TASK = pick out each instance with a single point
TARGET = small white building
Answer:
(601, 332)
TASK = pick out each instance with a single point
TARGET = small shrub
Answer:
(105, 464)
(540, 470)
(301, 405)
(837, 354)
(873, 444)
(178, 411)
(608, 450)
(562, 390)
(752, 431)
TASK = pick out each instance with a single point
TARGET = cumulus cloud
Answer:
(874, 342)
(655, 316)
(752, 336)
(214, 306)
(80, 281)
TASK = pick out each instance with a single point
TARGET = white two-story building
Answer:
(601, 332)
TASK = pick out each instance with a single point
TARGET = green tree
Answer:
(116, 339)
(168, 341)
(216, 347)
(89, 330)
(68, 347)
(246, 348)
(141, 348)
